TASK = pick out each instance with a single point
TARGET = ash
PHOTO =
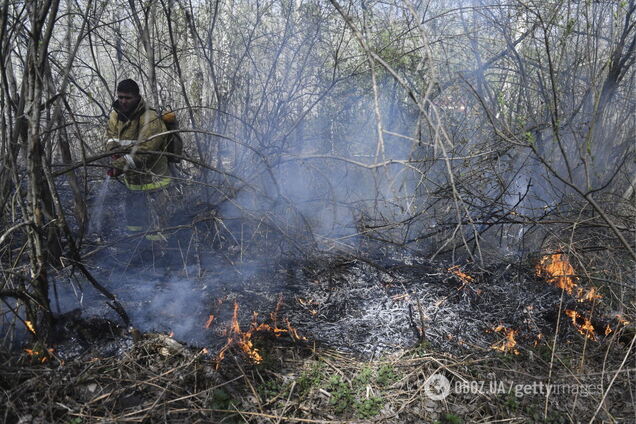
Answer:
(381, 300)
(356, 307)
(367, 307)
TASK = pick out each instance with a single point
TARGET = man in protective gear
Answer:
(133, 130)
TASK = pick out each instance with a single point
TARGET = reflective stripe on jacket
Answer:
(142, 171)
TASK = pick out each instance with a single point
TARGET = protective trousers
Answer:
(147, 212)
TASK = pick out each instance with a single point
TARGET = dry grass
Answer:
(159, 380)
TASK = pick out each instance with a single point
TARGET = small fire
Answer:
(556, 268)
(209, 322)
(538, 339)
(30, 326)
(171, 334)
(608, 330)
(308, 305)
(508, 344)
(586, 329)
(41, 356)
(243, 339)
(293, 332)
(589, 295)
(464, 278)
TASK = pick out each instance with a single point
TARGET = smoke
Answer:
(315, 170)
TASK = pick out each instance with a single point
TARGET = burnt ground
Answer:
(373, 327)
(368, 307)
(369, 301)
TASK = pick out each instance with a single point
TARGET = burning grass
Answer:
(557, 270)
(161, 380)
(244, 339)
(377, 331)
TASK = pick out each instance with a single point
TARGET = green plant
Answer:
(369, 407)
(450, 419)
(364, 376)
(270, 388)
(511, 402)
(221, 399)
(421, 348)
(310, 378)
(341, 396)
(386, 375)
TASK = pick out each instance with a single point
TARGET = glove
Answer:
(114, 172)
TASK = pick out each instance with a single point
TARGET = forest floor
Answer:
(158, 379)
(401, 343)
(378, 335)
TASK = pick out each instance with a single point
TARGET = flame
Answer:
(40, 356)
(608, 330)
(209, 322)
(292, 331)
(508, 344)
(590, 295)
(171, 335)
(308, 305)
(538, 339)
(586, 329)
(464, 278)
(30, 326)
(556, 268)
(243, 339)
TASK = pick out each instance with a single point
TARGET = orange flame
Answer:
(242, 339)
(30, 326)
(308, 305)
(608, 330)
(464, 278)
(590, 295)
(556, 268)
(236, 336)
(538, 339)
(209, 322)
(292, 331)
(508, 344)
(586, 329)
(40, 356)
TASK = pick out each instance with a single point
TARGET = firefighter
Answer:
(133, 130)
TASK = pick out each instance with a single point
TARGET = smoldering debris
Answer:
(359, 308)
(367, 307)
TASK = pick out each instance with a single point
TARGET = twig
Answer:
(627, 355)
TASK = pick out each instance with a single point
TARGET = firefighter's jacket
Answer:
(142, 170)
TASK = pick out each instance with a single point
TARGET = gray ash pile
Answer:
(362, 306)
